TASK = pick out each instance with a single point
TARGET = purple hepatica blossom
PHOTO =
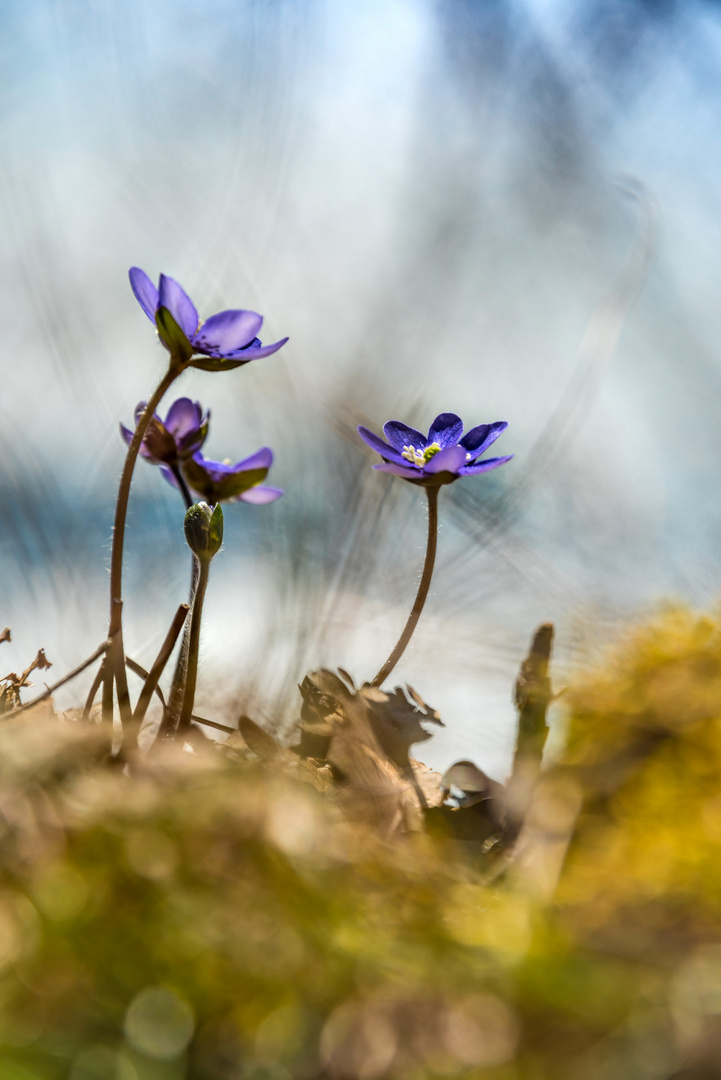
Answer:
(226, 340)
(179, 436)
(441, 456)
(220, 481)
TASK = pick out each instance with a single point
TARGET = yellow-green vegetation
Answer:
(191, 915)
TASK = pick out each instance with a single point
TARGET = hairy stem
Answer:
(175, 697)
(177, 687)
(115, 667)
(432, 493)
(192, 673)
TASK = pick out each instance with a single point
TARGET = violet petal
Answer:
(255, 353)
(484, 466)
(261, 459)
(446, 430)
(400, 435)
(169, 476)
(173, 297)
(399, 470)
(449, 460)
(480, 438)
(145, 292)
(380, 447)
(260, 495)
(228, 331)
(183, 417)
(127, 436)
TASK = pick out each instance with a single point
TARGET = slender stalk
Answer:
(432, 493)
(115, 668)
(192, 673)
(184, 491)
(61, 682)
(214, 724)
(136, 668)
(175, 697)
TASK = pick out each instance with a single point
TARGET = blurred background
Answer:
(447, 206)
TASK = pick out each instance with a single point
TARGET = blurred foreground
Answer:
(210, 916)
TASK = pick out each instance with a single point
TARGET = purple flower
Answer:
(441, 456)
(227, 339)
(220, 481)
(179, 436)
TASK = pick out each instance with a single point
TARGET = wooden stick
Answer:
(533, 695)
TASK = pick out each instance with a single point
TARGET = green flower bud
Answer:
(204, 530)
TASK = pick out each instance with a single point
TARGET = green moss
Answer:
(208, 919)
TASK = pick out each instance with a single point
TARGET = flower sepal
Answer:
(436, 481)
(218, 481)
(171, 335)
(212, 363)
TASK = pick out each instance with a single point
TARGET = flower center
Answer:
(420, 457)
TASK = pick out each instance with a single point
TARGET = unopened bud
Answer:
(204, 530)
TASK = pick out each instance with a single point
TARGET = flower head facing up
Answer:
(221, 481)
(179, 436)
(439, 457)
(224, 341)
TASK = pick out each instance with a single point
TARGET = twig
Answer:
(139, 670)
(162, 658)
(15, 683)
(93, 691)
(213, 724)
(5, 635)
(533, 695)
(61, 682)
(40, 662)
